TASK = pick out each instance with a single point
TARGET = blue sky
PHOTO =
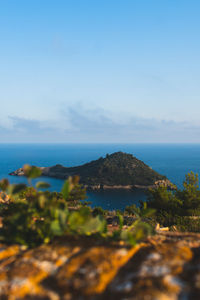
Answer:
(99, 71)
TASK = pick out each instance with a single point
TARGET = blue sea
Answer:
(172, 160)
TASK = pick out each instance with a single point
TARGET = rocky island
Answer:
(116, 171)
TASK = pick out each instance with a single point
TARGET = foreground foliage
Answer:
(34, 216)
(179, 207)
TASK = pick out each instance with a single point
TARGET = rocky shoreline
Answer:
(164, 182)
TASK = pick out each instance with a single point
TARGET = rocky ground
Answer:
(166, 266)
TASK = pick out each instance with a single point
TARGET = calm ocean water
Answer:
(171, 160)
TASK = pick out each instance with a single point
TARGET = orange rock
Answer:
(166, 266)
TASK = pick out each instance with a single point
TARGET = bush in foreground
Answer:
(179, 207)
(33, 217)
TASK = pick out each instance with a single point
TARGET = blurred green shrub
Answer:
(33, 216)
(179, 207)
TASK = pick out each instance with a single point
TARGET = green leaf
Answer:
(67, 187)
(65, 190)
(82, 222)
(142, 230)
(32, 172)
(16, 188)
(4, 183)
(148, 212)
(42, 201)
(144, 205)
(56, 228)
(78, 218)
(121, 220)
(128, 237)
(63, 217)
(94, 225)
(42, 185)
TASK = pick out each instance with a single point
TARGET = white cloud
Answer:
(96, 125)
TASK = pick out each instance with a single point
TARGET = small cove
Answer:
(172, 160)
